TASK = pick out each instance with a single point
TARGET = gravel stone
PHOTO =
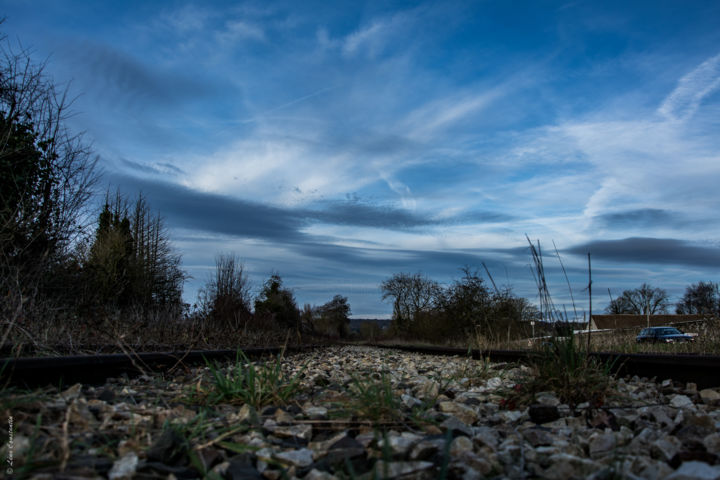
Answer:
(601, 444)
(643, 430)
(681, 401)
(298, 458)
(385, 469)
(124, 467)
(543, 413)
(709, 396)
(695, 471)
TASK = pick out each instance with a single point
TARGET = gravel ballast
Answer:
(362, 412)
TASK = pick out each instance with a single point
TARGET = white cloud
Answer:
(280, 170)
(188, 18)
(439, 114)
(692, 88)
(371, 38)
(238, 30)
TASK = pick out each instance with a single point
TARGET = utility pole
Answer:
(590, 295)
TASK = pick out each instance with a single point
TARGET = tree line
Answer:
(66, 272)
(701, 298)
(226, 302)
(467, 308)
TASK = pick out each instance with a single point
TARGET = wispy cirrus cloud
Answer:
(372, 38)
(692, 88)
(239, 30)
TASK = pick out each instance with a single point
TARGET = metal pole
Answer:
(590, 295)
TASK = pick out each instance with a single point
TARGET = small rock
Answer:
(460, 445)
(345, 448)
(301, 432)
(240, 467)
(427, 448)
(456, 427)
(388, 470)
(458, 469)
(464, 413)
(124, 467)
(538, 437)
(510, 416)
(169, 448)
(665, 448)
(695, 471)
(283, 418)
(712, 443)
(298, 458)
(564, 466)
(316, 413)
(71, 393)
(710, 396)
(399, 444)
(494, 383)
(601, 444)
(645, 467)
(681, 401)
(107, 395)
(409, 401)
(318, 475)
(543, 413)
(486, 436)
(428, 389)
(365, 438)
(247, 414)
(547, 398)
(476, 462)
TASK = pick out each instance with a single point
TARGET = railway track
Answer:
(703, 370)
(66, 370)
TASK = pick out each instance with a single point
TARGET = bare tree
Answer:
(46, 178)
(411, 294)
(226, 298)
(700, 298)
(646, 300)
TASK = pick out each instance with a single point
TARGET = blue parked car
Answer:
(663, 335)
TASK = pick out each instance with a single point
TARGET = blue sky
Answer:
(340, 142)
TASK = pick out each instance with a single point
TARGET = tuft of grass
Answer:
(375, 399)
(567, 370)
(257, 385)
(474, 372)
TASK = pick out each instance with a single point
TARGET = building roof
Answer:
(603, 322)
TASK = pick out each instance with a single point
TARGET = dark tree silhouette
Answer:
(700, 298)
(640, 301)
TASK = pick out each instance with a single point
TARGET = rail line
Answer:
(40, 371)
(703, 370)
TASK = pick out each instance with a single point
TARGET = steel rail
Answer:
(702, 370)
(40, 371)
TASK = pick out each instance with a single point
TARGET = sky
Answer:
(338, 143)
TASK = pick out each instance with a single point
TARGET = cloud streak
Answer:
(657, 251)
(692, 88)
